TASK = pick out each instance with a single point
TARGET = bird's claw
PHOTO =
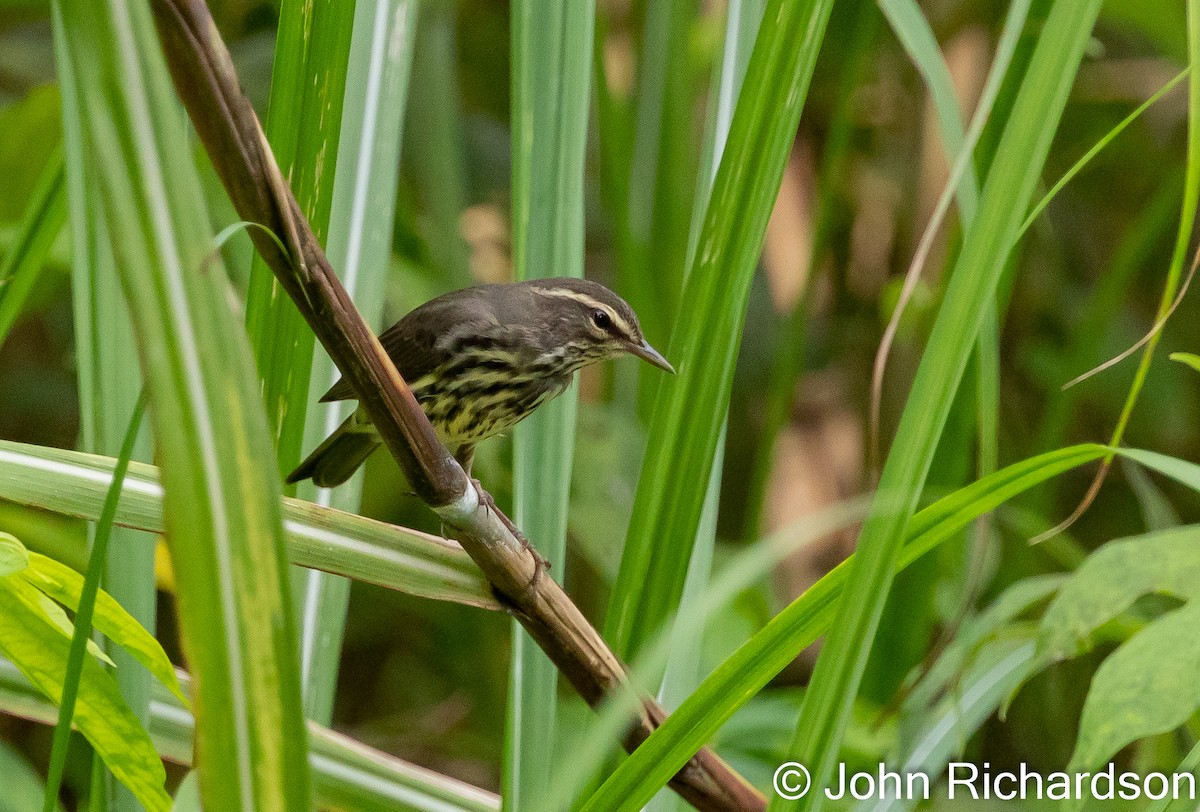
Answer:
(489, 503)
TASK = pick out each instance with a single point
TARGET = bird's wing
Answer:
(419, 341)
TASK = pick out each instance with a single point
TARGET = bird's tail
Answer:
(336, 459)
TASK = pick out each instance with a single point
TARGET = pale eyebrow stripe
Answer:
(589, 301)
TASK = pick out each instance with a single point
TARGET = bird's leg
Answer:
(465, 455)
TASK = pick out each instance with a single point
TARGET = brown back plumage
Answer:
(481, 359)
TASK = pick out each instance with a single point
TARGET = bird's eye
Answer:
(601, 319)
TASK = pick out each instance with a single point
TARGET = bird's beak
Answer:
(648, 353)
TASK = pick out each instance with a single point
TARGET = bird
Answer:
(481, 359)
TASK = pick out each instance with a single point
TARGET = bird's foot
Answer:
(489, 503)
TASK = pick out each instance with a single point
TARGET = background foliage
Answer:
(403, 156)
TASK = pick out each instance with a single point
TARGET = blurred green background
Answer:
(427, 681)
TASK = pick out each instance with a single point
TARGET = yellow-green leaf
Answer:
(65, 585)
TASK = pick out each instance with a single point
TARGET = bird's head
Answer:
(587, 322)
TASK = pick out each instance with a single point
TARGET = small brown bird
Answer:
(480, 360)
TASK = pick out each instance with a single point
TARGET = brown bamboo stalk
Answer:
(227, 125)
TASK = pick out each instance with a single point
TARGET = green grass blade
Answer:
(681, 672)
(1087, 157)
(689, 411)
(359, 246)
(551, 78)
(906, 623)
(221, 503)
(914, 33)
(1007, 195)
(22, 264)
(73, 484)
(748, 670)
(661, 166)
(110, 381)
(435, 139)
(832, 174)
(347, 774)
(1187, 219)
(85, 611)
(303, 123)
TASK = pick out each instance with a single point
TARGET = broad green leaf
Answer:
(1115, 576)
(748, 670)
(690, 408)
(1149, 685)
(13, 555)
(65, 585)
(38, 647)
(551, 78)
(221, 504)
(37, 601)
(74, 484)
(986, 246)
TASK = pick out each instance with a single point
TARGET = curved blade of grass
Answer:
(1014, 175)
(73, 484)
(689, 410)
(303, 122)
(86, 609)
(221, 505)
(1087, 157)
(756, 662)
(359, 246)
(347, 774)
(1182, 471)
(1187, 220)
(551, 79)
(43, 219)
